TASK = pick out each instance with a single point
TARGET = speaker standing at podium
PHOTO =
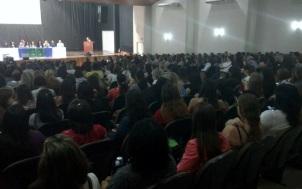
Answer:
(88, 46)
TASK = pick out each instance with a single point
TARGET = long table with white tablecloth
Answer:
(33, 53)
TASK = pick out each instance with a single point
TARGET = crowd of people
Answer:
(32, 44)
(232, 99)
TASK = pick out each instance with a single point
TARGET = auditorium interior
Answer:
(150, 94)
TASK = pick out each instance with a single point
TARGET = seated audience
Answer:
(246, 127)
(17, 141)
(83, 130)
(286, 113)
(46, 110)
(206, 142)
(150, 162)
(173, 107)
(63, 165)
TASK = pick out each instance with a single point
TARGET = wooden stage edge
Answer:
(78, 57)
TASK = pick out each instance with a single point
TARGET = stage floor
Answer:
(77, 56)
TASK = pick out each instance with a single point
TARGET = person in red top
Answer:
(119, 90)
(206, 142)
(83, 131)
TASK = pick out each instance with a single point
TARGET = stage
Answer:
(77, 56)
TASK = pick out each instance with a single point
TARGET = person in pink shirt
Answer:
(83, 130)
(206, 142)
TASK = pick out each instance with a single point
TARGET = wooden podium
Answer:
(88, 46)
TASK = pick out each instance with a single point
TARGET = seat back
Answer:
(178, 181)
(104, 118)
(101, 155)
(154, 106)
(51, 129)
(246, 168)
(280, 154)
(179, 131)
(21, 174)
(296, 153)
(216, 171)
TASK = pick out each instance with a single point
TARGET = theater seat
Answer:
(179, 133)
(215, 172)
(21, 174)
(101, 155)
(280, 155)
(178, 181)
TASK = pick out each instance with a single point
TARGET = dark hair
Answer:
(79, 112)
(5, 95)
(255, 84)
(93, 80)
(269, 83)
(2, 81)
(62, 71)
(249, 109)
(85, 91)
(282, 74)
(123, 83)
(68, 89)
(23, 94)
(78, 72)
(136, 106)
(205, 131)
(40, 81)
(208, 92)
(46, 107)
(62, 165)
(15, 124)
(288, 101)
(169, 93)
(148, 147)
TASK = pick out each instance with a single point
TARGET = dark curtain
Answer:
(69, 21)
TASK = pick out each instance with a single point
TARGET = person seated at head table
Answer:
(33, 45)
(12, 44)
(46, 44)
(40, 44)
(60, 44)
(22, 44)
(52, 43)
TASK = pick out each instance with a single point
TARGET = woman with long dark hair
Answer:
(63, 165)
(205, 143)
(246, 127)
(24, 97)
(47, 112)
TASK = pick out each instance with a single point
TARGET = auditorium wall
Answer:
(252, 25)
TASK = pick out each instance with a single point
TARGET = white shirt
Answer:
(273, 123)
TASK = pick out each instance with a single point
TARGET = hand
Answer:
(235, 122)
(194, 104)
